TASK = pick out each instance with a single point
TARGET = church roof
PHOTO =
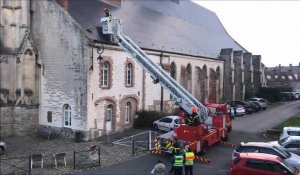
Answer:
(184, 28)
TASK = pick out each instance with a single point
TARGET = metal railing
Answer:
(16, 165)
(87, 158)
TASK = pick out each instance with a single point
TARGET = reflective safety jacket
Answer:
(189, 158)
(178, 161)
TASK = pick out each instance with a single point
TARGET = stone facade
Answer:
(64, 79)
(244, 74)
(19, 70)
(283, 76)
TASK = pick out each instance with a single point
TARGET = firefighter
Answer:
(193, 119)
(177, 163)
(189, 161)
(107, 13)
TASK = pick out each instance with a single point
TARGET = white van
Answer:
(289, 131)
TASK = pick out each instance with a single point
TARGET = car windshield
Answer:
(282, 152)
(290, 167)
(177, 121)
(283, 141)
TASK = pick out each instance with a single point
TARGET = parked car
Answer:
(167, 123)
(289, 131)
(256, 106)
(2, 147)
(291, 144)
(239, 110)
(261, 164)
(267, 148)
(263, 102)
(248, 107)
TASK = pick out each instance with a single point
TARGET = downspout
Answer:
(161, 88)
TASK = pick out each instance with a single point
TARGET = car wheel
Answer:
(155, 127)
(1, 150)
(204, 148)
(264, 108)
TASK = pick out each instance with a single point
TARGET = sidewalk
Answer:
(24, 146)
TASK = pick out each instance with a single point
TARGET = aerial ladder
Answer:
(180, 96)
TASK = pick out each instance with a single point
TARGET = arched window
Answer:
(105, 74)
(109, 110)
(129, 75)
(67, 115)
(128, 112)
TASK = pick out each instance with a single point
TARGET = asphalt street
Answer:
(246, 128)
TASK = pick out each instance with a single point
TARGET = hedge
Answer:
(145, 119)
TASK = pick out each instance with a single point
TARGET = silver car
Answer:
(262, 102)
(291, 144)
(2, 147)
(267, 148)
(167, 123)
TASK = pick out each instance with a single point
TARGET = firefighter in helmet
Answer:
(107, 13)
(193, 119)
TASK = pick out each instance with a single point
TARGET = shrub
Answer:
(272, 94)
(145, 119)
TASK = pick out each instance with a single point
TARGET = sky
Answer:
(267, 28)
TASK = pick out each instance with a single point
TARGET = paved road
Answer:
(266, 119)
(247, 128)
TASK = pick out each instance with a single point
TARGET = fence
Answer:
(87, 158)
(16, 165)
(139, 142)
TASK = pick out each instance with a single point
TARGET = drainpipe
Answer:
(161, 88)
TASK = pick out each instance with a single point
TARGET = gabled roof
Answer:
(184, 28)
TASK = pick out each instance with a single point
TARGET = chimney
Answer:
(291, 65)
(64, 4)
(279, 65)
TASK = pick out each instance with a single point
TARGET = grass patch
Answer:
(293, 121)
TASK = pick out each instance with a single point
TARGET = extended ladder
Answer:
(181, 96)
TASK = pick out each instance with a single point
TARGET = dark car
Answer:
(247, 106)
(256, 106)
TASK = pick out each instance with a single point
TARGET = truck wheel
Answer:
(203, 149)
(225, 138)
(155, 128)
(1, 150)
(229, 128)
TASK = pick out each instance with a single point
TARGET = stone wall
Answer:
(238, 74)
(64, 53)
(227, 55)
(18, 121)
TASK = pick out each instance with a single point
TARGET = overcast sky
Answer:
(267, 28)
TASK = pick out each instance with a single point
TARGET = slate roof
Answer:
(292, 69)
(184, 28)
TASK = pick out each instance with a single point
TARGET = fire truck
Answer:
(215, 122)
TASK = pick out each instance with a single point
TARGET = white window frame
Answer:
(127, 112)
(67, 116)
(108, 116)
(105, 74)
(129, 74)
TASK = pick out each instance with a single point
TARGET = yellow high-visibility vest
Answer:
(189, 158)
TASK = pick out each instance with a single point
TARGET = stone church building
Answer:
(58, 69)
